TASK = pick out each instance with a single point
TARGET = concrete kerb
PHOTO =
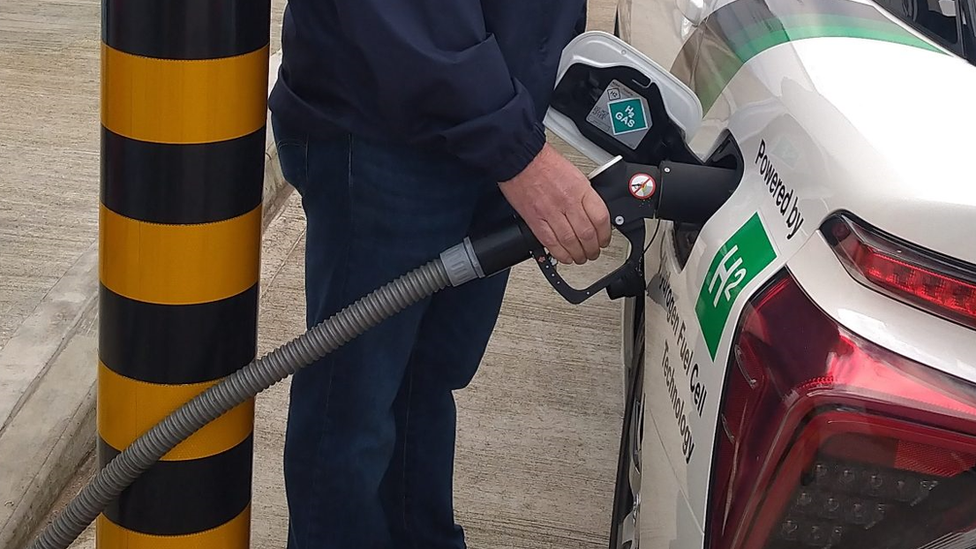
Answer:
(48, 376)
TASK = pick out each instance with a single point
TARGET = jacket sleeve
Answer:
(440, 78)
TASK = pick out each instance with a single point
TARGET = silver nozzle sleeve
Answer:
(461, 263)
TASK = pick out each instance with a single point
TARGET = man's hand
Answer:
(560, 207)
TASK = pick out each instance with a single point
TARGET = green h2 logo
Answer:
(627, 115)
(742, 257)
(729, 276)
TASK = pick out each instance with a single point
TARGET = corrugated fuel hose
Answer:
(454, 267)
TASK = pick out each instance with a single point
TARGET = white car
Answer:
(802, 369)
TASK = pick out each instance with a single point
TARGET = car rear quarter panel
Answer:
(799, 155)
(677, 358)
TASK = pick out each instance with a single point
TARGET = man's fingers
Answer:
(567, 237)
(547, 238)
(585, 232)
(560, 206)
(599, 216)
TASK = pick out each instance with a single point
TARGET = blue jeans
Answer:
(369, 450)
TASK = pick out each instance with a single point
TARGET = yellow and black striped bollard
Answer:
(184, 99)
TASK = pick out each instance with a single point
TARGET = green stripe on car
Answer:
(737, 32)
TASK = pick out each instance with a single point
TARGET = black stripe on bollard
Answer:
(186, 29)
(177, 344)
(165, 183)
(176, 498)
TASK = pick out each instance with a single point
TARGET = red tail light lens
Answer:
(828, 441)
(904, 272)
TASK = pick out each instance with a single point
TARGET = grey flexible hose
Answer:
(455, 266)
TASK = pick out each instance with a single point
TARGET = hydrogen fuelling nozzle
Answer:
(633, 193)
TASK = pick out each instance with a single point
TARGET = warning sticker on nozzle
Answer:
(642, 186)
(622, 114)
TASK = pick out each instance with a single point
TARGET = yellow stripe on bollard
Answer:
(184, 102)
(179, 264)
(128, 408)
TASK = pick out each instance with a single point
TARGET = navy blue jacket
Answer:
(470, 77)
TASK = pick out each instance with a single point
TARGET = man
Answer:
(406, 125)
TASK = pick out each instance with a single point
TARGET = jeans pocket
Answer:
(292, 148)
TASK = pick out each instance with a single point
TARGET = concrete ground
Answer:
(539, 426)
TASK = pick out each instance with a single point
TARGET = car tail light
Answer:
(904, 272)
(826, 440)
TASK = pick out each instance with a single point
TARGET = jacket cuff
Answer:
(502, 142)
(513, 157)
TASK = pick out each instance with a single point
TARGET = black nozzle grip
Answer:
(505, 247)
(692, 193)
